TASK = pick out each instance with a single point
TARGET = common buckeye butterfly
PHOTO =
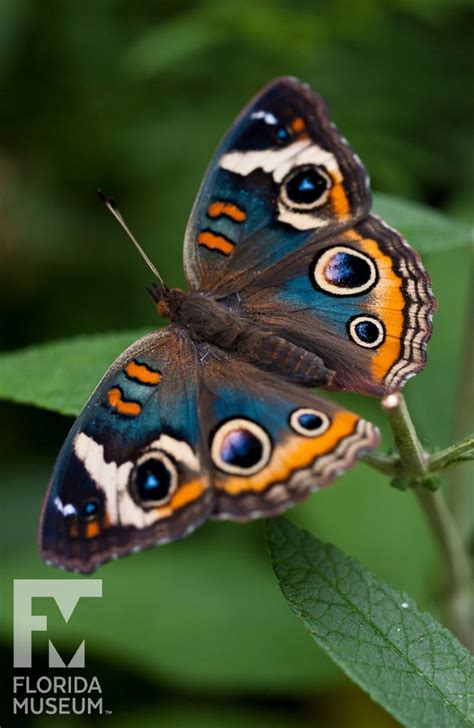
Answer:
(292, 282)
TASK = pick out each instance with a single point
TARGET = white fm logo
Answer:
(66, 593)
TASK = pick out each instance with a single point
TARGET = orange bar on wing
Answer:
(142, 373)
(187, 493)
(216, 209)
(92, 529)
(215, 242)
(339, 201)
(298, 124)
(114, 398)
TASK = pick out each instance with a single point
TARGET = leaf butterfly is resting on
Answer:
(293, 284)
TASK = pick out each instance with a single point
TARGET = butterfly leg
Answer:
(274, 353)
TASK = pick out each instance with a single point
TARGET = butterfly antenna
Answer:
(109, 202)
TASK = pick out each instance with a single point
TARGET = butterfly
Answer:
(293, 283)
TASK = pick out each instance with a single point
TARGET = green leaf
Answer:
(426, 229)
(405, 660)
(60, 375)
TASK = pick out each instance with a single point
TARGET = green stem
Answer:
(452, 455)
(457, 562)
(414, 467)
(382, 462)
(413, 459)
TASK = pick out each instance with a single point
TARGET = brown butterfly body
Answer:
(210, 321)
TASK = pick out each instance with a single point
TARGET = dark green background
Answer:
(133, 97)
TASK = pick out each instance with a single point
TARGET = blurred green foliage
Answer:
(133, 98)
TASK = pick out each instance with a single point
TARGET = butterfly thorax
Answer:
(208, 320)
(167, 300)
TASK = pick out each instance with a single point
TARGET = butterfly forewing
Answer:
(130, 473)
(282, 172)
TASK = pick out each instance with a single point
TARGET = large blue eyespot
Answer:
(240, 446)
(347, 271)
(305, 187)
(89, 509)
(309, 422)
(154, 479)
(366, 331)
(343, 271)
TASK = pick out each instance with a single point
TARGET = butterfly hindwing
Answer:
(359, 299)
(271, 443)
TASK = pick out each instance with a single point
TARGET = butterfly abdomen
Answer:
(274, 353)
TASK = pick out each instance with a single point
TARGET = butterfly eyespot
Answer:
(309, 422)
(305, 188)
(89, 509)
(154, 479)
(240, 447)
(366, 331)
(343, 271)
